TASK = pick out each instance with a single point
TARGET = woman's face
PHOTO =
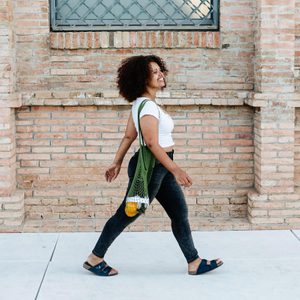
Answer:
(157, 77)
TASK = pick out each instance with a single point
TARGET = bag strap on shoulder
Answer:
(141, 138)
(141, 106)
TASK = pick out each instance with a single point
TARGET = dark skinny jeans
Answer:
(166, 190)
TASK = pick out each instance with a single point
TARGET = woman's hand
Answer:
(182, 178)
(112, 172)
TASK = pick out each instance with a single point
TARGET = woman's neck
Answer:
(151, 94)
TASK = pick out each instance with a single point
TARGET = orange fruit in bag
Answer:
(131, 209)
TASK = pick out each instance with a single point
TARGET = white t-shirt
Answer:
(165, 126)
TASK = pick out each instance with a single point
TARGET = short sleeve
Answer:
(150, 108)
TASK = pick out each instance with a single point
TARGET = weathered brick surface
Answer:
(277, 210)
(46, 60)
(11, 201)
(63, 152)
(12, 212)
(7, 152)
(297, 148)
(297, 45)
(275, 46)
(274, 150)
(123, 40)
(6, 59)
(231, 93)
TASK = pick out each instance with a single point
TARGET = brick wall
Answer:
(274, 150)
(11, 200)
(297, 45)
(297, 149)
(77, 61)
(275, 46)
(275, 200)
(233, 95)
(63, 152)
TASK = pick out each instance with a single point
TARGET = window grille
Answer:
(126, 15)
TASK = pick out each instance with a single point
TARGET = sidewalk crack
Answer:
(40, 286)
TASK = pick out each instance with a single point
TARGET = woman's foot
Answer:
(194, 267)
(94, 260)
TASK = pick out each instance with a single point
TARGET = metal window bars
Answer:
(126, 15)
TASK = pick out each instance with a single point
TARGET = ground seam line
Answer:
(37, 294)
(296, 236)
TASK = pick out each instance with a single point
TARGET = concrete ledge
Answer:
(273, 99)
(11, 100)
(172, 97)
(111, 98)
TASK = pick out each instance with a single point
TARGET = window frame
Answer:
(106, 28)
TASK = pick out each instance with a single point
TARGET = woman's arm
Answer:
(149, 126)
(130, 135)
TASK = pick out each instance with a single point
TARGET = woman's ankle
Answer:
(93, 259)
(196, 261)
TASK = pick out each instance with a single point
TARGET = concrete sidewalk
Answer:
(257, 265)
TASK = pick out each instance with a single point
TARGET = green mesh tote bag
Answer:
(137, 199)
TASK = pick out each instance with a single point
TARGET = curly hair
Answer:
(133, 74)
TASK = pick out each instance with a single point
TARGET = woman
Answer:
(139, 78)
